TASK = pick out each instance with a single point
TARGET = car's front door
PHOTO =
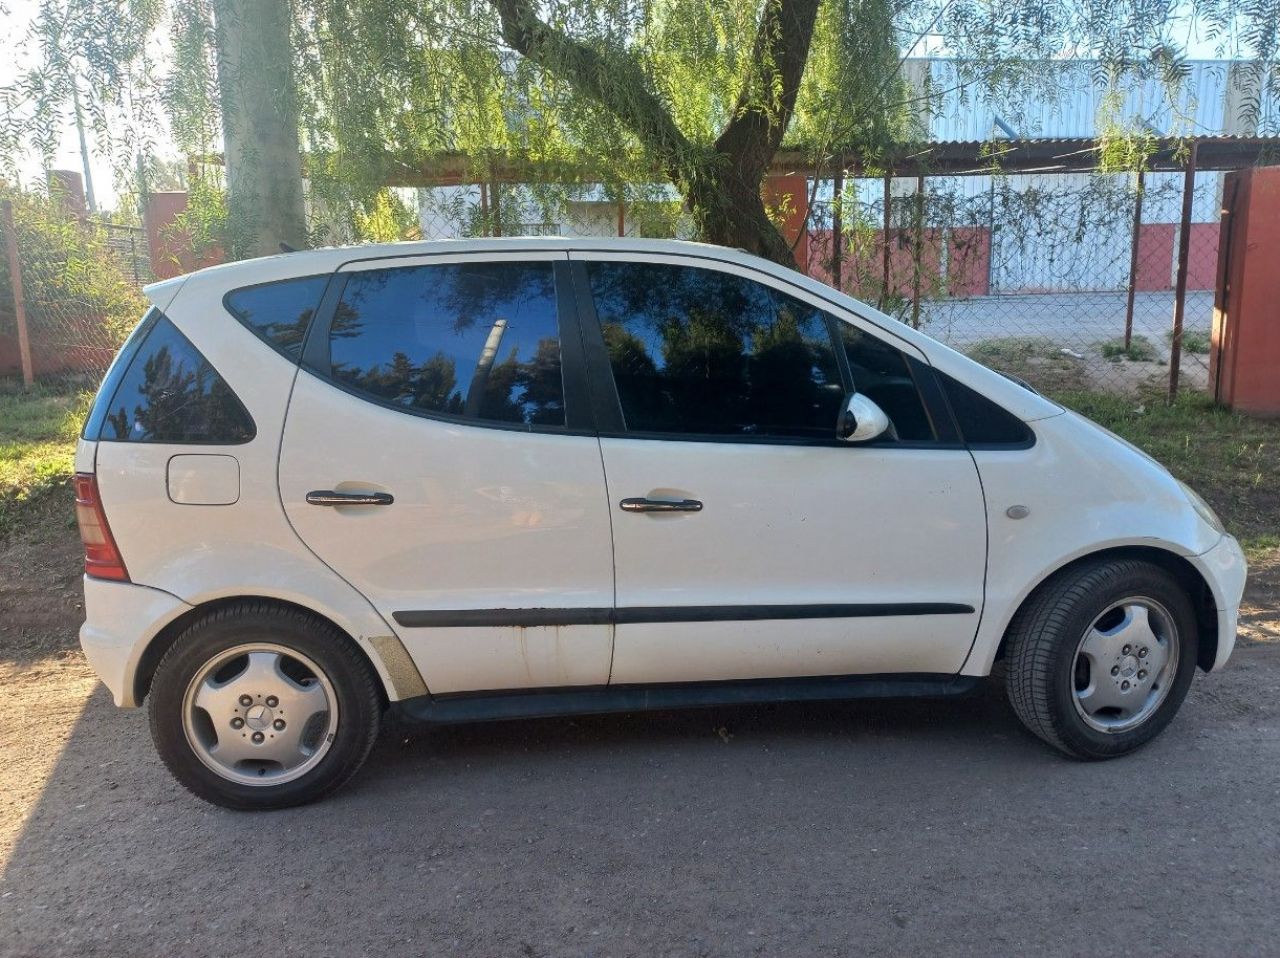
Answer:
(435, 456)
(749, 541)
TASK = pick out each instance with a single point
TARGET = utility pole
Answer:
(84, 148)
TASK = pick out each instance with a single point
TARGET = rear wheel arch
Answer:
(164, 640)
(1187, 575)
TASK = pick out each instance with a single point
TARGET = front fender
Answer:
(1084, 492)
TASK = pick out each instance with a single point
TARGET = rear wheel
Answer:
(1102, 656)
(260, 706)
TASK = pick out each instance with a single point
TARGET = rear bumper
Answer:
(1225, 569)
(120, 620)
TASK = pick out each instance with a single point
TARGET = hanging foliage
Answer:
(699, 94)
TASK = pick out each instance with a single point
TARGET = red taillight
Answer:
(101, 557)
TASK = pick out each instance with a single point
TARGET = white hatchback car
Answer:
(510, 478)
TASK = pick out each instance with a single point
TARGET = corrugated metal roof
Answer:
(1065, 102)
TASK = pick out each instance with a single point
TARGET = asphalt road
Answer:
(909, 827)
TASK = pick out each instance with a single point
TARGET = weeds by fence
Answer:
(69, 292)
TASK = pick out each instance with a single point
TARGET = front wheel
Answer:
(1102, 656)
(257, 706)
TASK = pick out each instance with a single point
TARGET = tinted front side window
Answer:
(477, 339)
(171, 393)
(703, 352)
(981, 421)
(279, 312)
(882, 374)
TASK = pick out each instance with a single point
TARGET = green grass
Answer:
(1193, 341)
(1139, 350)
(38, 429)
(1230, 459)
(1039, 361)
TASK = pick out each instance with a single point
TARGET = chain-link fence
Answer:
(1066, 280)
(553, 209)
(69, 290)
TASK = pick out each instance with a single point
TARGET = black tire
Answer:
(1042, 649)
(354, 683)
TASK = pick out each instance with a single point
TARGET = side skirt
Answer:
(539, 703)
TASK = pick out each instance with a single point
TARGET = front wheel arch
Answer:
(1187, 575)
(167, 636)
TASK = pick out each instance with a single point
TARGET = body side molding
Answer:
(454, 618)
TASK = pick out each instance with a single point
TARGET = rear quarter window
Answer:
(166, 391)
(279, 313)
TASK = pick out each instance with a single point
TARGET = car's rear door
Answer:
(749, 541)
(441, 394)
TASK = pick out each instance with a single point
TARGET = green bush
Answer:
(70, 276)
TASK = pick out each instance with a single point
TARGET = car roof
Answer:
(328, 258)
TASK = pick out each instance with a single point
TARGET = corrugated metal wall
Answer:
(1065, 100)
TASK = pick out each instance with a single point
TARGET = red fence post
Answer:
(884, 288)
(15, 279)
(1180, 288)
(1133, 262)
(919, 252)
(837, 229)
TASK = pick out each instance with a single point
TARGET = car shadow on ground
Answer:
(779, 829)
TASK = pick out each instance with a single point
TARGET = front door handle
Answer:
(327, 497)
(660, 505)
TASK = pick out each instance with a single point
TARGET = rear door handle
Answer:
(660, 505)
(327, 497)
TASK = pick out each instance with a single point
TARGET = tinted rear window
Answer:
(279, 313)
(169, 393)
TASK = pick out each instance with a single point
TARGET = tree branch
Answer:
(768, 97)
(615, 83)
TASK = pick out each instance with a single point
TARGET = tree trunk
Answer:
(723, 192)
(260, 126)
(731, 213)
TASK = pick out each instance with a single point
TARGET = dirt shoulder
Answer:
(43, 672)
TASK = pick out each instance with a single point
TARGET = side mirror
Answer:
(862, 420)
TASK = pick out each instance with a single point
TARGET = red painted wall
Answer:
(1155, 257)
(50, 354)
(792, 194)
(1244, 365)
(968, 261)
(1202, 261)
(169, 248)
(1158, 256)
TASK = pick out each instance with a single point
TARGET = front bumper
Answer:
(1225, 569)
(121, 619)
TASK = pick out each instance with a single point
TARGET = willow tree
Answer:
(700, 94)
(259, 126)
